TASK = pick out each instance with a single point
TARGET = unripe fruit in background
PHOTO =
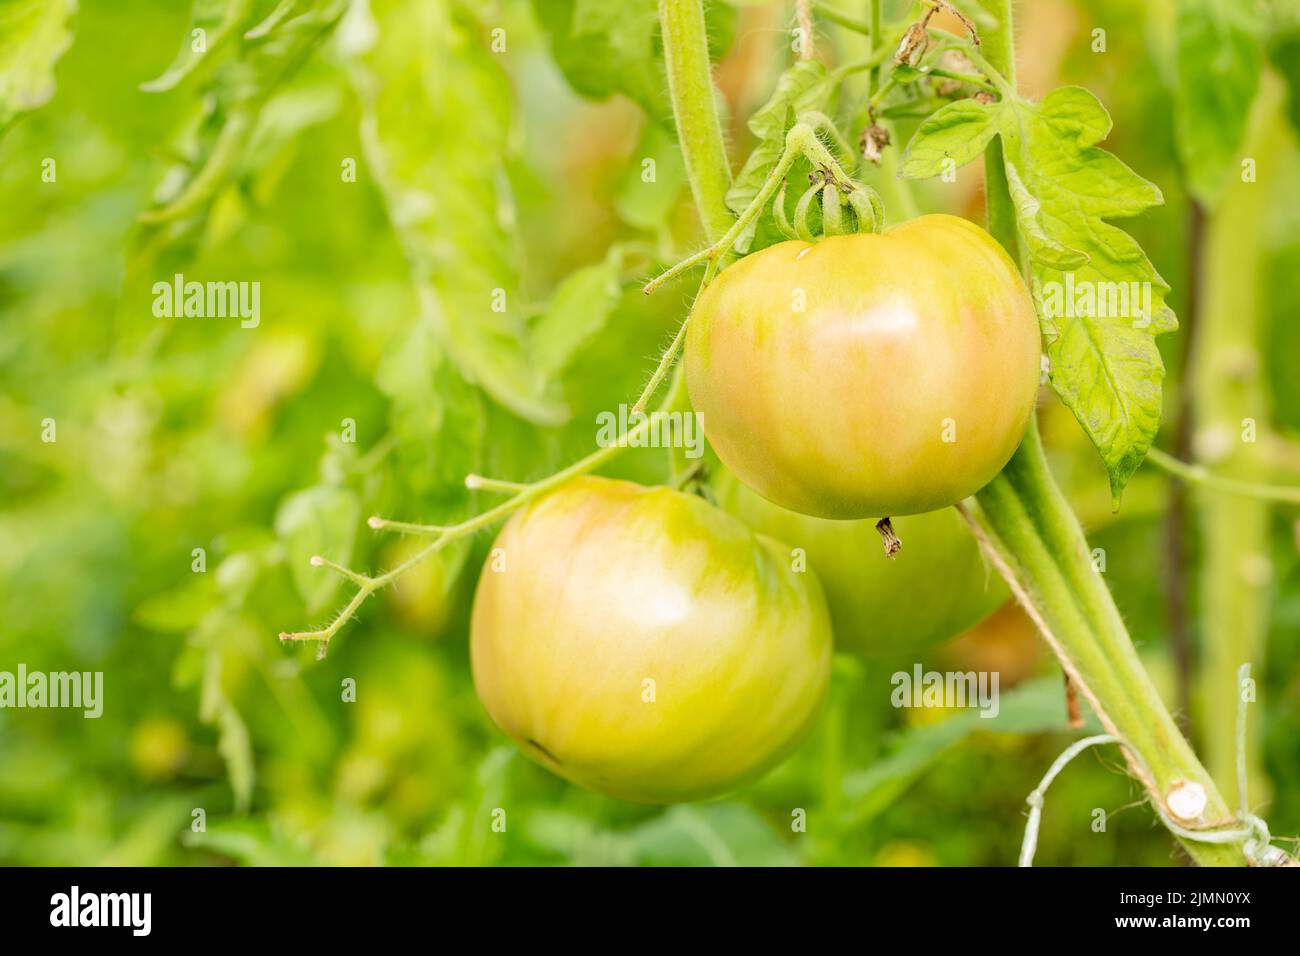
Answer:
(1006, 641)
(421, 598)
(644, 644)
(936, 587)
(866, 375)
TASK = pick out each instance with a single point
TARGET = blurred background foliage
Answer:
(496, 145)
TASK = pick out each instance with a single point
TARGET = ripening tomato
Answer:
(936, 587)
(644, 644)
(867, 375)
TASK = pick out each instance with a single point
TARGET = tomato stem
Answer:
(1202, 477)
(1026, 527)
(838, 17)
(695, 109)
(1033, 539)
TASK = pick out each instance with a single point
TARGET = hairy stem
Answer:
(1041, 549)
(1036, 542)
(690, 84)
(1229, 389)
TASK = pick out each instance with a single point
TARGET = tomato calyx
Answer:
(695, 480)
(893, 543)
(835, 191)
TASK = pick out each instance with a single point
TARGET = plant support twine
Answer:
(1253, 834)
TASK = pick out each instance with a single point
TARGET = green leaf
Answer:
(237, 752)
(318, 521)
(212, 24)
(239, 90)
(33, 35)
(647, 203)
(436, 415)
(579, 308)
(1218, 56)
(717, 834)
(1104, 362)
(1284, 55)
(603, 48)
(177, 610)
(802, 87)
(1032, 707)
(436, 129)
(951, 137)
(251, 843)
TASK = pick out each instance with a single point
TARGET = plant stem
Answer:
(836, 16)
(1229, 388)
(876, 48)
(800, 141)
(1026, 525)
(1201, 476)
(690, 84)
(444, 535)
(999, 45)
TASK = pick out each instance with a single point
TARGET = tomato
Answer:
(1006, 641)
(936, 587)
(867, 375)
(159, 747)
(644, 644)
(421, 598)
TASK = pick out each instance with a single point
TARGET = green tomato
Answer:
(867, 375)
(937, 586)
(642, 643)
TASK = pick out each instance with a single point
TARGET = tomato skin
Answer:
(607, 585)
(867, 375)
(935, 588)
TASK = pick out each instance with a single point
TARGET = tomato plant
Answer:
(644, 644)
(773, 269)
(867, 376)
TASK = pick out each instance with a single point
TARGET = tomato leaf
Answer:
(437, 417)
(239, 89)
(950, 137)
(579, 308)
(1104, 362)
(33, 35)
(320, 520)
(435, 130)
(1035, 706)
(716, 834)
(252, 843)
(804, 86)
(178, 609)
(213, 23)
(647, 193)
(604, 48)
(1218, 59)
